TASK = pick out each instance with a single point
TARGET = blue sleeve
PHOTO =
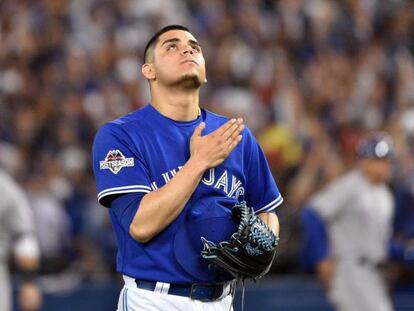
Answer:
(261, 190)
(124, 208)
(395, 250)
(315, 244)
(117, 165)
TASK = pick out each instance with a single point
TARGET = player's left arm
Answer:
(272, 221)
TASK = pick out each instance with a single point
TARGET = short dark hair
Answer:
(154, 39)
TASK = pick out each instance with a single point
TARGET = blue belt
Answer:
(197, 291)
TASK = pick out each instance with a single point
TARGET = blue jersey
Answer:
(139, 153)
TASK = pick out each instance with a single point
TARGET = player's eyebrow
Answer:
(171, 40)
(193, 42)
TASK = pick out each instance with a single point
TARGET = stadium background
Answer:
(309, 78)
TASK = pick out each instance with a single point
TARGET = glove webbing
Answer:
(259, 232)
(264, 238)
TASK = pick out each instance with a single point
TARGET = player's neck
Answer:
(179, 105)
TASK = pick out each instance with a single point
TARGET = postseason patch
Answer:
(115, 161)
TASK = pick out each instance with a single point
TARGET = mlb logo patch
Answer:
(115, 161)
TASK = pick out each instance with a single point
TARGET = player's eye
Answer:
(171, 47)
(196, 48)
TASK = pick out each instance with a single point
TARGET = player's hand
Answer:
(324, 271)
(30, 297)
(212, 149)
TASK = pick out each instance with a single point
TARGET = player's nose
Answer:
(187, 50)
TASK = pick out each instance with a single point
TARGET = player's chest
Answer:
(374, 208)
(166, 156)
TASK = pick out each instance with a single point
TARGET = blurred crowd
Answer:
(310, 77)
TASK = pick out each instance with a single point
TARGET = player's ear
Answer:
(148, 71)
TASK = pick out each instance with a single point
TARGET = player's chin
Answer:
(189, 81)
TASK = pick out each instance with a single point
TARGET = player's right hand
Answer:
(212, 149)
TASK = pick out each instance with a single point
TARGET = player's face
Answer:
(178, 59)
(378, 169)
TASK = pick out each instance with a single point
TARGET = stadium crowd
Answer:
(309, 78)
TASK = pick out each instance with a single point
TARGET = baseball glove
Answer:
(249, 252)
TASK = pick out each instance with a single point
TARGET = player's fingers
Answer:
(234, 130)
(199, 129)
(237, 132)
(225, 127)
(226, 134)
(234, 143)
(232, 136)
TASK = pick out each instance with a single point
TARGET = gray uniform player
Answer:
(17, 236)
(357, 212)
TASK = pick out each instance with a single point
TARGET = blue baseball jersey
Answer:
(139, 153)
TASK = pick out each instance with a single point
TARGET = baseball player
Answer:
(17, 230)
(169, 174)
(356, 211)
